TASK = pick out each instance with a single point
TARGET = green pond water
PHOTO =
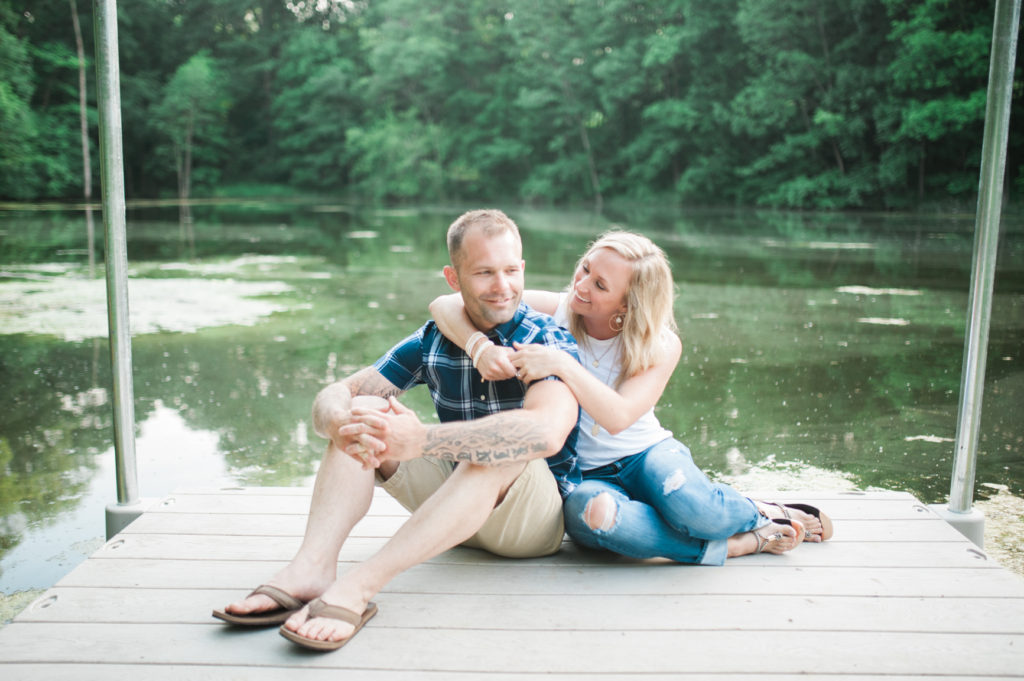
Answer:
(822, 351)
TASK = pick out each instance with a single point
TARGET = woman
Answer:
(641, 496)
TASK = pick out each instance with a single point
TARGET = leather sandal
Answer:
(826, 522)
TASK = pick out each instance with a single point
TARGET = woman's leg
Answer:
(599, 515)
(666, 477)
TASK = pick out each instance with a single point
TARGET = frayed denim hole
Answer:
(610, 515)
(674, 482)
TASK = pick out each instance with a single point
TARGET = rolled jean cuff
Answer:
(716, 552)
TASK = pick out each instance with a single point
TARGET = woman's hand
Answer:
(534, 362)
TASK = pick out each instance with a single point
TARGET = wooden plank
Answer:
(251, 524)
(254, 503)
(578, 612)
(537, 651)
(889, 507)
(280, 525)
(838, 505)
(773, 495)
(357, 548)
(522, 577)
(214, 672)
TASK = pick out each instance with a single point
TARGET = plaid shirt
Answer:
(458, 392)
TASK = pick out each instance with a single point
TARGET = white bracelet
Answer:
(473, 341)
(479, 351)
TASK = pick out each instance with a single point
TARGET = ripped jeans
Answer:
(664, 507)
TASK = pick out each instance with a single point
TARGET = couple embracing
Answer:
(541, 432)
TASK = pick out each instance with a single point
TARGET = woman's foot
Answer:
(818, 527)
(774, 538)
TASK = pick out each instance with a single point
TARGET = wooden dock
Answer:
(897, 594)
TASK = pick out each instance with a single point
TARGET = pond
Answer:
(822, 351)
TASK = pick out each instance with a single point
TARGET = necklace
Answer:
(596, 363)
(597, 360)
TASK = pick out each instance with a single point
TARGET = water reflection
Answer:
(171, 455)
(820, 350)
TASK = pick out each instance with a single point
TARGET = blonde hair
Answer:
(649, 301)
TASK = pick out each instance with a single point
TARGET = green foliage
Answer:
(793, 103)
(40, 152)
(317, 102)
(394, 159)
(936, 106)
(191, 113)
(17, 120)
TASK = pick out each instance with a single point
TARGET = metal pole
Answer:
(108, 92)
(986, 241)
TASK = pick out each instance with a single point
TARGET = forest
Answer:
(815, 104)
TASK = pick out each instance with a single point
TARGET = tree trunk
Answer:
(185, 190)
(84, 124)
(838, 156)
(595, 183)
(920, 173)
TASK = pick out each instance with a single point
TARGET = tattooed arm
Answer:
(536, 431)
(332, 406)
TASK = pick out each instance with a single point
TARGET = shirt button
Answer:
(482, 398)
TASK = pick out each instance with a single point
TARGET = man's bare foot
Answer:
(295, 581)
(774, 538)
(328, 628)
(816, 531)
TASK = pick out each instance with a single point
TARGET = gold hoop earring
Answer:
(617, 322)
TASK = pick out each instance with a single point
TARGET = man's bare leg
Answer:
(341, 497)
(453, 514)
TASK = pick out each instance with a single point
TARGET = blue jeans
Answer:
(664, 507)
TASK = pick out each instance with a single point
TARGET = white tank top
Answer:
(596, 446)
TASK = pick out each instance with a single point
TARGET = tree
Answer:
(192, 113)
(931, 122)
(318, 100)
(806, 110)
(83, 118)
(17, 121)
(695, 66)
(559, 46)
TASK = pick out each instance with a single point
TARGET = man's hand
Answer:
(331, 410)
(359, 437)
(494, 364)
(378, 436)
(335, 407)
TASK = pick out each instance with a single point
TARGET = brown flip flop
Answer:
(318, 608)
(287, 604)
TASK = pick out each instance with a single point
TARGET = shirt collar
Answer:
(506, 330)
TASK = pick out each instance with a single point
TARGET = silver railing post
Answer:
(983, 268)
(108, 94)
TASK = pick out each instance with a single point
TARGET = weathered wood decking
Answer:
(896, 594)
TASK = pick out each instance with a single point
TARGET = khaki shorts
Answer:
(527, 523)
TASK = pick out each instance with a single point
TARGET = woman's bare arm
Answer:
(614, 410)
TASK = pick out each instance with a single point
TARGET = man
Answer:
(514, 445)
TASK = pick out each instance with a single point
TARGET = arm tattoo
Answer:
(364, 382)
(490, 441)
(368, 381)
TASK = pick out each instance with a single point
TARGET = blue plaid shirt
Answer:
(458, 392)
